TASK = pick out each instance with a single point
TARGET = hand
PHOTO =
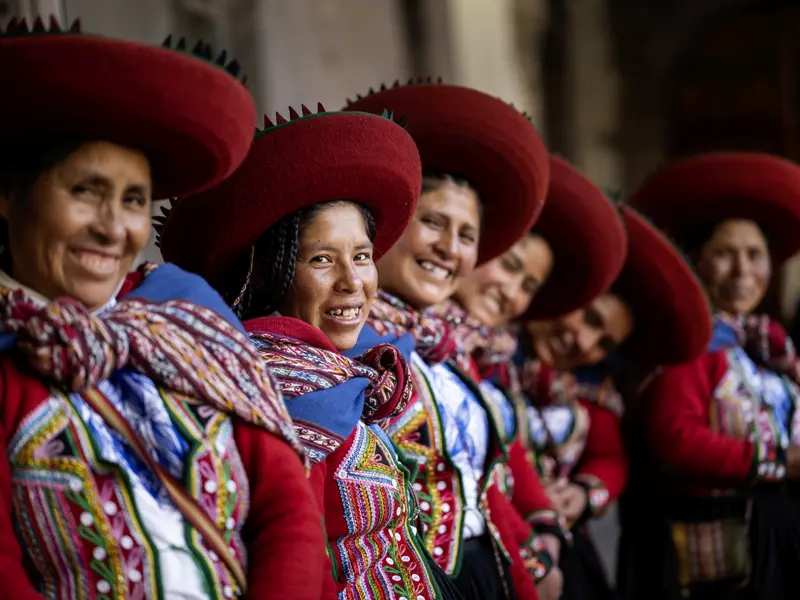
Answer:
(574, 502)
(552, 586)
(793, 462)
(553, 546)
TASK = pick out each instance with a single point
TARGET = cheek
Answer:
(139, 227)
(369, 278)
(309, 288)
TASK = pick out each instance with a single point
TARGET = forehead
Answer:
(738, 232)
(340, 221)
(455, 201)
(107, 159)
(616, 315)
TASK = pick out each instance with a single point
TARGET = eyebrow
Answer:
(98, 180)
(328, 248)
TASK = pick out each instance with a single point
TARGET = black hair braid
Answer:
(275, 258)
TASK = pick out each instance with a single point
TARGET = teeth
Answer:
(440, 272)
(346, 313)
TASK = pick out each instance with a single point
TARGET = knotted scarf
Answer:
(301, 368)
(764, 340)
(490, 347)
(545, 385)
(184, 348)
(434, 340)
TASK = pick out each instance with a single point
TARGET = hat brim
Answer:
(585, 232)
(672, 316)
(692, 195)
(356, 157)
(193, 120)
(482, 140)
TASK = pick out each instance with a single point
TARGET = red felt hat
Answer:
(480, 139)
(691, 195)
(190, 117)
(313, 158)
(672, 316)
(585, 232)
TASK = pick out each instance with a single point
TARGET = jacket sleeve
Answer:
(676, 408)
(283, 531)
(529, 496)
(12, 567)
(603, 469)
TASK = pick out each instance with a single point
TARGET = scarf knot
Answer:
(434, 340)
(184, 348)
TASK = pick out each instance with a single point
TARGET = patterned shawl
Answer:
(325, 391)
(490, 347)
(392, 318)
(185, 348)
(765, 341)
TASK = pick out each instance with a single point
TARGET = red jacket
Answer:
(285, 548)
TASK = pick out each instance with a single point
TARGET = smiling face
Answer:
(77, 232)
(583, 337)
(735, 265)
(438, 248)
(335, 279)
(501, 290)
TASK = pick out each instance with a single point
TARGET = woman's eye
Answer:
(81, 190)
(467, 238)
(135, 200)
(363, 256)
(320, 260)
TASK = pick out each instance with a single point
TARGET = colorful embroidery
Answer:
(378, 557)
(77, 514)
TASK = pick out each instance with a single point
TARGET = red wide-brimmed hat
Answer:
(188, 115)
(587, 236)
(672, 316)
(480, 139)
(312, 158)
(691, 195)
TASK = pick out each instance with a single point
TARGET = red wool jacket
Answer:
(286, 555)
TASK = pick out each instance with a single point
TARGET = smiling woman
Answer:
(141, 431)
(291, 240)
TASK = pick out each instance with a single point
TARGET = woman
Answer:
(723, 428)
(143, 439)
(486, 178)
(577, 221)
(299, 224)
(575, 423)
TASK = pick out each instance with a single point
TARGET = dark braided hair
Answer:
(269, 272)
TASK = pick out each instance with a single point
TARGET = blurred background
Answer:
(619, 87)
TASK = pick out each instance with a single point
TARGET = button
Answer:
(342, 474)
(389, 561)
(110, 508)
(213, 556)
(99, 553)
(405, 558)
(86, 519)
(126, 542)
(441, 485)
(231, 487)
(230, 523)
(438, 551)
(415, 577)
(397, 578)
(76, 485)
(210, 487)
(424, 505)
(134, 575)
(103, 586)
(417, 487)
(397, 536)
(445, 507)
(442, 529)
(440, 467)
(227, 591)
